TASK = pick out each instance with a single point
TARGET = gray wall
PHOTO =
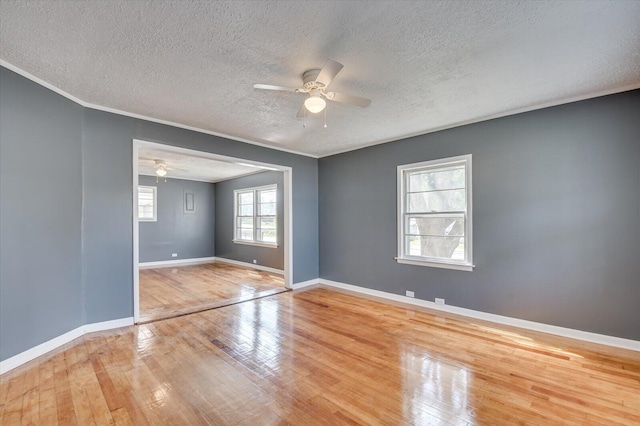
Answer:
(556, 206)
(41, 293)
(225, 247)
(107, 231)
(81, 235)
(190, 235)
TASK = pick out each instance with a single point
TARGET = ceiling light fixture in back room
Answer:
(160, 167)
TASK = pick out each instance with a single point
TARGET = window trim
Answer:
(401, 207)
(255, 191)
(155, 203)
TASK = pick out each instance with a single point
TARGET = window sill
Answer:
(257, 244)
(435, 264)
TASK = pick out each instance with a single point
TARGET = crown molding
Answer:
(85, 104)
(516, 111)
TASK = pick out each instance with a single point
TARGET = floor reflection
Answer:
(256, 327)
(526, 341)
(436, 391)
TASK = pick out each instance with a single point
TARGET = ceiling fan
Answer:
(315, 83)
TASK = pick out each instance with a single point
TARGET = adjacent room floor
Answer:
(170, 292)
(323, 357)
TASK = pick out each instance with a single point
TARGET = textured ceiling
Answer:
(183, 166)
(426, 65)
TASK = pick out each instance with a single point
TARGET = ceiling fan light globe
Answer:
(315, 104)
(161, 172)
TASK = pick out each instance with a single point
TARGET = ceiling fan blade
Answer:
(272, 87)
(348, 99)
(329, 70)
(302, 112)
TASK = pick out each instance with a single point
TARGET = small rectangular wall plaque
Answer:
(189, 202)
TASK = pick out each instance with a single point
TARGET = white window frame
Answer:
(155, 204)
(256, 216)
(467, 264)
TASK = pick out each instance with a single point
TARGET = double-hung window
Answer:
(147, 204)
(434, 213)
(256, 216)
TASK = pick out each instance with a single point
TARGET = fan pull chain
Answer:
(325, 117)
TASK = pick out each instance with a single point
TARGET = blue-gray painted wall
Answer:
(225, 247)
(188, 234)
(78, 225)
(556, 205)
(41, 292)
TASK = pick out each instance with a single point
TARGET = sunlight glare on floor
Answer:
(526, 341)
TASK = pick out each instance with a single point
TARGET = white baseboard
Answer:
(249, 265)
(176, 262)
(203, 260)
(31, 354)
(108, 325)
(586, 336)
(303, 284)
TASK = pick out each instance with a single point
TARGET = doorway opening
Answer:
(208, 230)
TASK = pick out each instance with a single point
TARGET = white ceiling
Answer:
(191, 167)
(426, 65)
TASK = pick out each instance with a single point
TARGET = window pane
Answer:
(436, 225)
(267, 209)
(245, 198)
(145, 212)
(429, 180)
(256, 215)
(267, 235)
(146, 202)
(245, 210)
(267, 223)
(436, 247)
(439, 201)
(245, 222)
(267, 196)
(244, 234)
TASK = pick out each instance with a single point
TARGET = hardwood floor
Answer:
(170, 292)
(324, 357)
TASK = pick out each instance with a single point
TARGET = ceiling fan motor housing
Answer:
(309, 79)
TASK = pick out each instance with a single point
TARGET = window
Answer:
(147, 206)
(434, 213)
(256, 216)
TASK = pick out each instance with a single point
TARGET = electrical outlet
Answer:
(439, 301)
(174, 254)
(255, 261)
(409, 293)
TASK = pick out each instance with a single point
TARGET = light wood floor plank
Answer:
(64, 400)
(48, 408)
